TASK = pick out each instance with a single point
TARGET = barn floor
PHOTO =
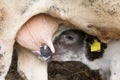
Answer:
(59, 71)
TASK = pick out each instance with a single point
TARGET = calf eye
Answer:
(70, 38)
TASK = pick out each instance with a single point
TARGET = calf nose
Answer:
(46, 53)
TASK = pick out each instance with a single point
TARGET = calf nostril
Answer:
(45, 52)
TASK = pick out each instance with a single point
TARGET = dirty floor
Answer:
(60, 71)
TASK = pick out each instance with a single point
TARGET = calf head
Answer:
(72, 45)
(69, 44)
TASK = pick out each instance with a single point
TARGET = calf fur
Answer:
(71, 45)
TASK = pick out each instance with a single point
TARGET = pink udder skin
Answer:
(36, 32)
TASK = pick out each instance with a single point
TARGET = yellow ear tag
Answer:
(96, 46)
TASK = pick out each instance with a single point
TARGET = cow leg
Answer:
(6, 50)
(29, 66)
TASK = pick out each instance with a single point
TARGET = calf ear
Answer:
(90, 39)
(92, 55)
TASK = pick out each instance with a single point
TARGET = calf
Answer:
(75, 45)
